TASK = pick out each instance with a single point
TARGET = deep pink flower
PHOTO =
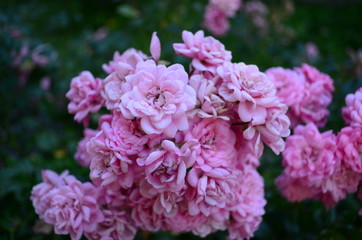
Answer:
(160, 97)
(248, 209)
(117, 225)
(319, 88)
(166, 168)
(352, 112)
(289, 84)
(229, 7)
(85, 96)
(82, 156)
(216, 142)
(310, 154)
(207, 53)
(215, 20)
(294, 189)
(120, 67)
(349, 144)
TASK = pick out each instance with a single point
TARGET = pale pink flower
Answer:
(40, 194)
(310, 154)
(251, 88)
(67, 204)
(276, 126)
(82, 156)
(211, 189)
(211, 103)
(160, 97)
(166, 168)
(207, 53)
(248, 209)
(349, 145)
(215, 20)
(85, 96)
(127, 61)
(352, 112)
(229, 7)
(216, 142)
(117, 225)
(74, 209)
(120, 67)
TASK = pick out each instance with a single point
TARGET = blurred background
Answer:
(43, 44)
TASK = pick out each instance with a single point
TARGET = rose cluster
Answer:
(177, 151)
(324, 166)
(217, 13)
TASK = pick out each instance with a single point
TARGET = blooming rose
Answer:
(85, 96)
(207, 53)
(352, 112)
(160, 97)
(216, 20)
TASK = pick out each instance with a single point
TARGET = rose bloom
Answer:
(120, 67)
(207, 53)
(310, 154)
(166, 168)
(216, 20)
(160, 97)
(85, 96)
(352, 112)
(216, 141)
(349, 145)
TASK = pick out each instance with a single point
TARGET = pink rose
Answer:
(85, 96)
(166, 168)
(207, 53)
(121, 66)
(160, 97)
(216, 142)
(310, 154)
(352, 112)
(349, 145)
(216, 20)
